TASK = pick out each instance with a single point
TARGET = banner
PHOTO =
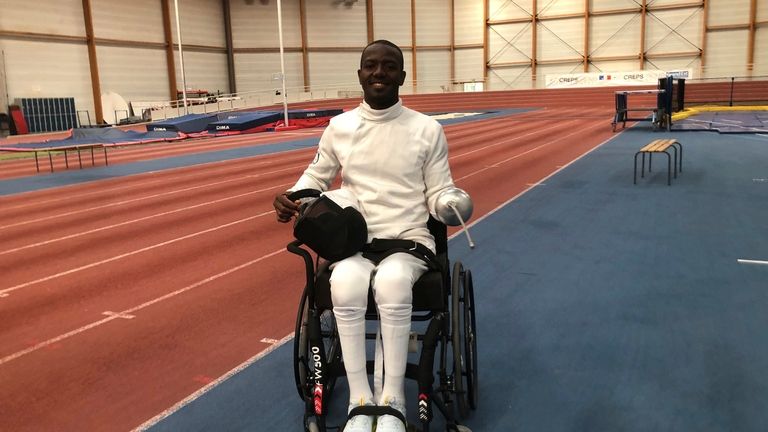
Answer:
(604, 79)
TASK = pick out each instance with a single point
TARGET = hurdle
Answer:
(669, 98)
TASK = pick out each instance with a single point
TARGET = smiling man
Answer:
(394, 163)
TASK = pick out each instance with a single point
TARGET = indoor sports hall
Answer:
(613, 275)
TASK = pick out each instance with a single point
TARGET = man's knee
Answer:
(393, 288)
(349, 287)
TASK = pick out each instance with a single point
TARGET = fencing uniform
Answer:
(395, 162)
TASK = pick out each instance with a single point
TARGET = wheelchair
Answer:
(443, 300)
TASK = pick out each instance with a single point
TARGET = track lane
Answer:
(114, 253)
(127, 362)
(136, 338)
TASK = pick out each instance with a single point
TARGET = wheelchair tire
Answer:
(470, 340)
(302, 367)
(459, 371)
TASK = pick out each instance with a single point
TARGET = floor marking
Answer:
(526, 152)
(454, 115)
(759, 180)
(118, 315)
(269, 341)
(186, 401)
(502, 205)
(127, 254)
(536, 132)
(130, 311)
(746, 261)
(71, 236)
(239, 178)
(535, 184)
(107, 191)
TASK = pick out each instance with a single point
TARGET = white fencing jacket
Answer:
(395, 162)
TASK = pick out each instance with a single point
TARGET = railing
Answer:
(727, 91)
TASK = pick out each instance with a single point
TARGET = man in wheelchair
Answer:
(394, 165)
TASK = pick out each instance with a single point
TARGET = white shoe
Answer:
(390, 423)
(359, 423)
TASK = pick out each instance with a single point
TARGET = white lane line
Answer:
(528, 151)
(80, 234)
(118, 315)
(269, 341)
(517, 137)
(123, 314)
(746, 261)
(187, 400)
(211, 169)
(119, 203)
(134, 252)
(505, 203)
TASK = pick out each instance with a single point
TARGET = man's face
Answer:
(381, 75)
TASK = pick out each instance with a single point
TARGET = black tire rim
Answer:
(470, 340)
(457, 328)
(301, 365)
(300, 360)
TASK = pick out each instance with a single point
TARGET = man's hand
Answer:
(285, 208)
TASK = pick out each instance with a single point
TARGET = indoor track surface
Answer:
(157, 293)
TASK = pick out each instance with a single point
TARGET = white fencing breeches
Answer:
(392, 281)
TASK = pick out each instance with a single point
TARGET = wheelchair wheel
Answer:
(302, 366)
(463, 340)
(470, 339)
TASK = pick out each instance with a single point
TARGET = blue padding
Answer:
(98, 136)
(189, 123)
(725, 122)
(244, 121)
(314, 113)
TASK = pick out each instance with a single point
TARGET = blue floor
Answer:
(601, 305)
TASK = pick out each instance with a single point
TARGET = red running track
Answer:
(121, 297)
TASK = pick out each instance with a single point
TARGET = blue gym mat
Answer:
(725, 122)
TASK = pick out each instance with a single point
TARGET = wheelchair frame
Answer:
(317, 350)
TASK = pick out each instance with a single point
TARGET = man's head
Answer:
(381, 73)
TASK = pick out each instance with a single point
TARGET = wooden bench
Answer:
(661, 146)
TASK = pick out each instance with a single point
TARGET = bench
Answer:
(661, 146)
(43, 147)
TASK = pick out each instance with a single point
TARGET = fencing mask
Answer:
(331, 225)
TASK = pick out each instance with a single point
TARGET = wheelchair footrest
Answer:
(377, 410)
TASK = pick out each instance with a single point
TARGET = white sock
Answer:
(395, 333)
(350, 322)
